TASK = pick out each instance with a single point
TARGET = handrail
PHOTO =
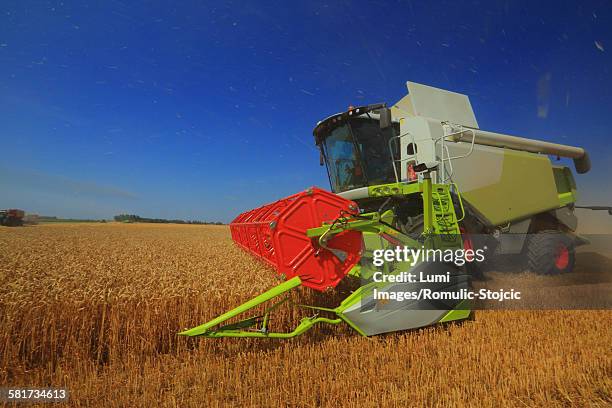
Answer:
(444, 148)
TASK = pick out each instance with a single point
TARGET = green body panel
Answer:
(526, 187)
(383, 190)
(566, 185)
(564, 179)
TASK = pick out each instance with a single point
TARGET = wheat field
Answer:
(96, 308)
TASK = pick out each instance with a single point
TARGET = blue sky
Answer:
(201, 110)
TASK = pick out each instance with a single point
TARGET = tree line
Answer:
(136, 218)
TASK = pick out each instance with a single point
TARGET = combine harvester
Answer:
(420, 174)
(12, 217)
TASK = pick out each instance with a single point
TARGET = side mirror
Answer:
(321, 157)
(385, 118)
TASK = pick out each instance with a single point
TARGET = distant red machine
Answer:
(11, 217)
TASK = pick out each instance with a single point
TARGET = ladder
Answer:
(445, 221)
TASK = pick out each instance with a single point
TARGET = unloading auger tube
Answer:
(582, 162)
(315, 239)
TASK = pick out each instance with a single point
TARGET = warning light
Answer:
(412, 176)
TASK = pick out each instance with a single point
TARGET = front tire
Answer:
(550, 253)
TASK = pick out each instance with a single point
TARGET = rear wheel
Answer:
(550, 253)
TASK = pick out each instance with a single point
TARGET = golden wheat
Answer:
(96, 309)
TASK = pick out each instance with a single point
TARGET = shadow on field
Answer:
(596, 265)
(588, 286)
(590, 268)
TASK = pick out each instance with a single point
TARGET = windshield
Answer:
(373, 145)
(357, 155)
(344, 168)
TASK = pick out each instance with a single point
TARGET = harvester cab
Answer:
(415, 177)
(356, 149)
